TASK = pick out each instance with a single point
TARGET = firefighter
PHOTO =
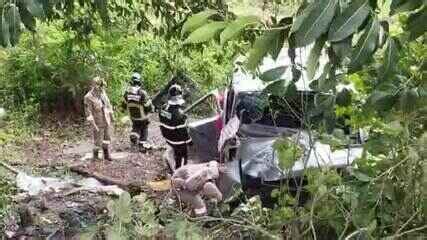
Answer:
(173, 125)
(139, 106)
(99, 114)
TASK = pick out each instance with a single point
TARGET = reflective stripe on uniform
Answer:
(106, 142)
(134, 98)
(179, 142)
(174, 127)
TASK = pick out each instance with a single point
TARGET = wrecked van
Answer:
(241, 128)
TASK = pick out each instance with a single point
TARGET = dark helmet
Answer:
(136, 78)
(175, 95)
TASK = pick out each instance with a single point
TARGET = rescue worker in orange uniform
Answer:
(99, 114)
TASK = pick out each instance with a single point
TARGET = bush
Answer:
(53, 69)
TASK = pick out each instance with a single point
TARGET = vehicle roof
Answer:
(245, 81)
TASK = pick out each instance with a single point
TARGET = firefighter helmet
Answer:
(175, 95)
(136, 78)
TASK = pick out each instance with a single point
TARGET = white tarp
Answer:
(36, 185)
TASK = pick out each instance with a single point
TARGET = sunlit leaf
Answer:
(261, 47)
(205, 33)
(349, 21)
(196, 21)
(236, 27)
(316, 22)
(288, 152)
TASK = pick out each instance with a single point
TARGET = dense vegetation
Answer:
(377, 47)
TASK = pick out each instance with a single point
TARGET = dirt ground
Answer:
(72, 149)
(56, 151)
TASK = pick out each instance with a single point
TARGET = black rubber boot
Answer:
(95, 154)
(107, 155)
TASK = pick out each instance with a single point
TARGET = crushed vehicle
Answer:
(241, 130)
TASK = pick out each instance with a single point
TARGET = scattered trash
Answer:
(37, 185)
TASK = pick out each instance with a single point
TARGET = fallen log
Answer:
(132, 188)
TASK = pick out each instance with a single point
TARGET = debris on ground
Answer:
(130, 173)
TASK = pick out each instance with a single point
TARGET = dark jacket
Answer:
(173, 124)
(138, 103)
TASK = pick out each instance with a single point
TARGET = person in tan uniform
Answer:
(99, 114)
(195, 181)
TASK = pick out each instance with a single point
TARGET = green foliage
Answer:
(196, 21)
(349, 21)
(262, 46)
(236, 27)
(365, 45)
(205, 33)
(316, 22)
(55, 74)
(288, 152)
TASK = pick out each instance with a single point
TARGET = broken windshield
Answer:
(259, 108)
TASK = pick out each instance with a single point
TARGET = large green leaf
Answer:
(391, 57)
(273, 74)
(365, 45)
(11, 25)
(34, 7)
(316, 22)
(325, 83)
(278, 42)
(236, 27)
(300, 18)
(28, 19)
(205, 33)
(261, 47)
(196, 21)
(417, 23)
(349, 21)
(4, 33)
(313, 58)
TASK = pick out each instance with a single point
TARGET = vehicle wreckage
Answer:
(241, 131)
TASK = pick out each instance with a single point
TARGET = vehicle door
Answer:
(205, 126)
